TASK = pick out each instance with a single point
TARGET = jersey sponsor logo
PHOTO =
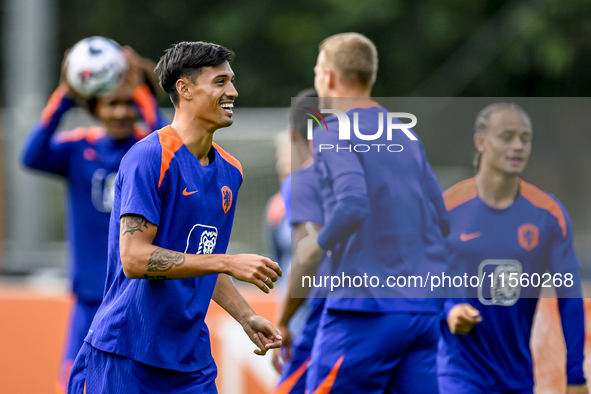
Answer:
(226, 198)
(467, 237)
(201, 239)
(186, 193)
(504, 285)
(528, 235)
(103, 190)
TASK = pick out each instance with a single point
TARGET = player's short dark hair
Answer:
(187, 59)
(298, 117)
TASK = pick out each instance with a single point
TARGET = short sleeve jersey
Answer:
(402, 235)
(161, 322)
(534, 237)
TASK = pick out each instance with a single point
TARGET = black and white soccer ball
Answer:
(95, 66)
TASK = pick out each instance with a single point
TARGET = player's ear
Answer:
(182, 88)
(479, 142)
(331, 78)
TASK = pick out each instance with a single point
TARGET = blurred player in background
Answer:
(301, 194)
(175, 198)
(484, 347)
(388, 219)
(88, 159)
(276, 227)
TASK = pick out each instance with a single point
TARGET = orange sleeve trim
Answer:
(286, 386)
(228, 157)
(94, 133)
(328, 382)
(147, 105)
(460, 193)
(170, 142)
(79, 133)
(52, 106)
(542, 200)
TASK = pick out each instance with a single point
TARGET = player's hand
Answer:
(63, 84)
(462, 317)
(258, 270)
(134, 76)
(282, 355)
(308, 249)
(263, 334)
(577, 389)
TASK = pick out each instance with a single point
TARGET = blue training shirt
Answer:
(161, 322)
(89, 160)
(531, 236)
(384, 215)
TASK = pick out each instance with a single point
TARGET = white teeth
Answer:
(227, 106)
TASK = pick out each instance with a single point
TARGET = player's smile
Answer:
(227, 106)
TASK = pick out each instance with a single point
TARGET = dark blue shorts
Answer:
(80, 320)
(98, 372)
(372, 353)
(455, 385)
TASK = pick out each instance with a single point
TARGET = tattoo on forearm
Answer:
(156, 277)
(132, 223)
(164, 260)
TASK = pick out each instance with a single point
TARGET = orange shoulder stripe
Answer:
(228, 157)
(94, 133)
(170, 142)
(52, 106)
(542, 200)
(328, 382)
(460, 193)
(143, 97)
(286, 386)
(77, 134)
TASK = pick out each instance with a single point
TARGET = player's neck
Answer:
(496, 189)
(195, 137)
(341, 95)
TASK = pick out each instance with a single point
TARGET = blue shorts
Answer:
(80, 320)
(452, 384)
(372, 353)
(98, 372)
(293, 377)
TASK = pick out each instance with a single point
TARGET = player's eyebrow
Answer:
(223, 76)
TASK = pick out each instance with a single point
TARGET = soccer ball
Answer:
(95, 66)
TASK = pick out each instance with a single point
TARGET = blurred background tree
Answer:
(429, 47)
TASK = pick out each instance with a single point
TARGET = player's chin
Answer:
(226, 121)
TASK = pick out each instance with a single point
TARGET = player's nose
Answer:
(231, 91)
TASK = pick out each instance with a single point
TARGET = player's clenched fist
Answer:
(462, 317)
(255, 269)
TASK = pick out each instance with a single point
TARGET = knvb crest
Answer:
(202, 239)
(528, 236)
(226, 198)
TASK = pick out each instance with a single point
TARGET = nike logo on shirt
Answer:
(186, 193)
(467, 237)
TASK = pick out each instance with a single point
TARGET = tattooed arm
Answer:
(143, 260)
